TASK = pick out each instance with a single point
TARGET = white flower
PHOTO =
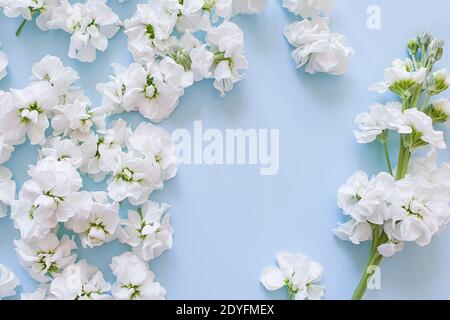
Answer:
(149, 141)
(3, 64)
(91, 25)
(308, 8)
(400, 78)
(148, 231)
(423, 132)
(47, 257)
(176, 74)
(24, 112)
(49, 197)
(149, 30)
(101, 224)
(366, 200)
(27, 8)
(381, 117)
(417, 211)
(113, 91)
(354, 231)
(227, 43)
(6, 149)
(96, 149)
(80, 281)
(41, 293)
(439, 82)
(429, 172)
(62, 150)
(134, 281)
(8, 282)
(439, 111)
(132, 177)
(296, 271)
(75, 117)
(149, 93)
(249, 6)
(51, 69)
(7, 190)
(317, 48)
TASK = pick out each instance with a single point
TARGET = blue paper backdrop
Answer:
(230, 221)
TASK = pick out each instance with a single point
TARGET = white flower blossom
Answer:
(7, 190)
(100, 226)
(52, 70)
(91, 25)
(381, 117)
(309, 8)
(227, 43)
(149, 141)
(46, 258)
(134, 281)
(400, 78)
(423, 132)
(439, 111)
(41, 293)
(80, 281)
(318, 48)
(298, 273)
(62, 150)
(148, 231)
(8, 282)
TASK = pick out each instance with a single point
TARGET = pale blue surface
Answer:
(230, 221)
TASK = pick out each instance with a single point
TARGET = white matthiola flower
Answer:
(28, 8)
(149, 31)
(366, 200)
(417, 211)
(132, 177)
(175, 73)
(101, 224)
(75, 117)
(296, 271)
(309, 8)
(149, 141)
(134, 281)
(6, 149)
(381, 117)
(7, 190)
(423, 132)
(248, 6)
(96, 149)
(354, 231)
(3, 63)
(429, 173)
(113, 91)
(47, 257)
(149, 93)
(49, 197)
(63, 150)
(80, 281)
(41, 293)
(148, 231)
(439, 111)
(24, 113)
(8, 282)
(440, 81)
(317, 48)
(227, 44)
(400, 78)
(91, 25)
(51, 69)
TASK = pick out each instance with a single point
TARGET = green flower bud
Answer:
(413, 47)
(414, 140)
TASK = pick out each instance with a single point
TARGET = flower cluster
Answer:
(8, 282)
(409, 203)
(297, 273)
(90, 24)
(3, 63)
(317, 48)
(165, 38)
(74, 138)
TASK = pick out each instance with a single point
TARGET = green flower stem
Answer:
(374, 261)
(388, 159)
(425, 104)
(21, 27)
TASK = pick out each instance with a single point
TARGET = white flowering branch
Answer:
(410, 203)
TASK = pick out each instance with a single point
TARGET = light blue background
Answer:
(230, 221)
